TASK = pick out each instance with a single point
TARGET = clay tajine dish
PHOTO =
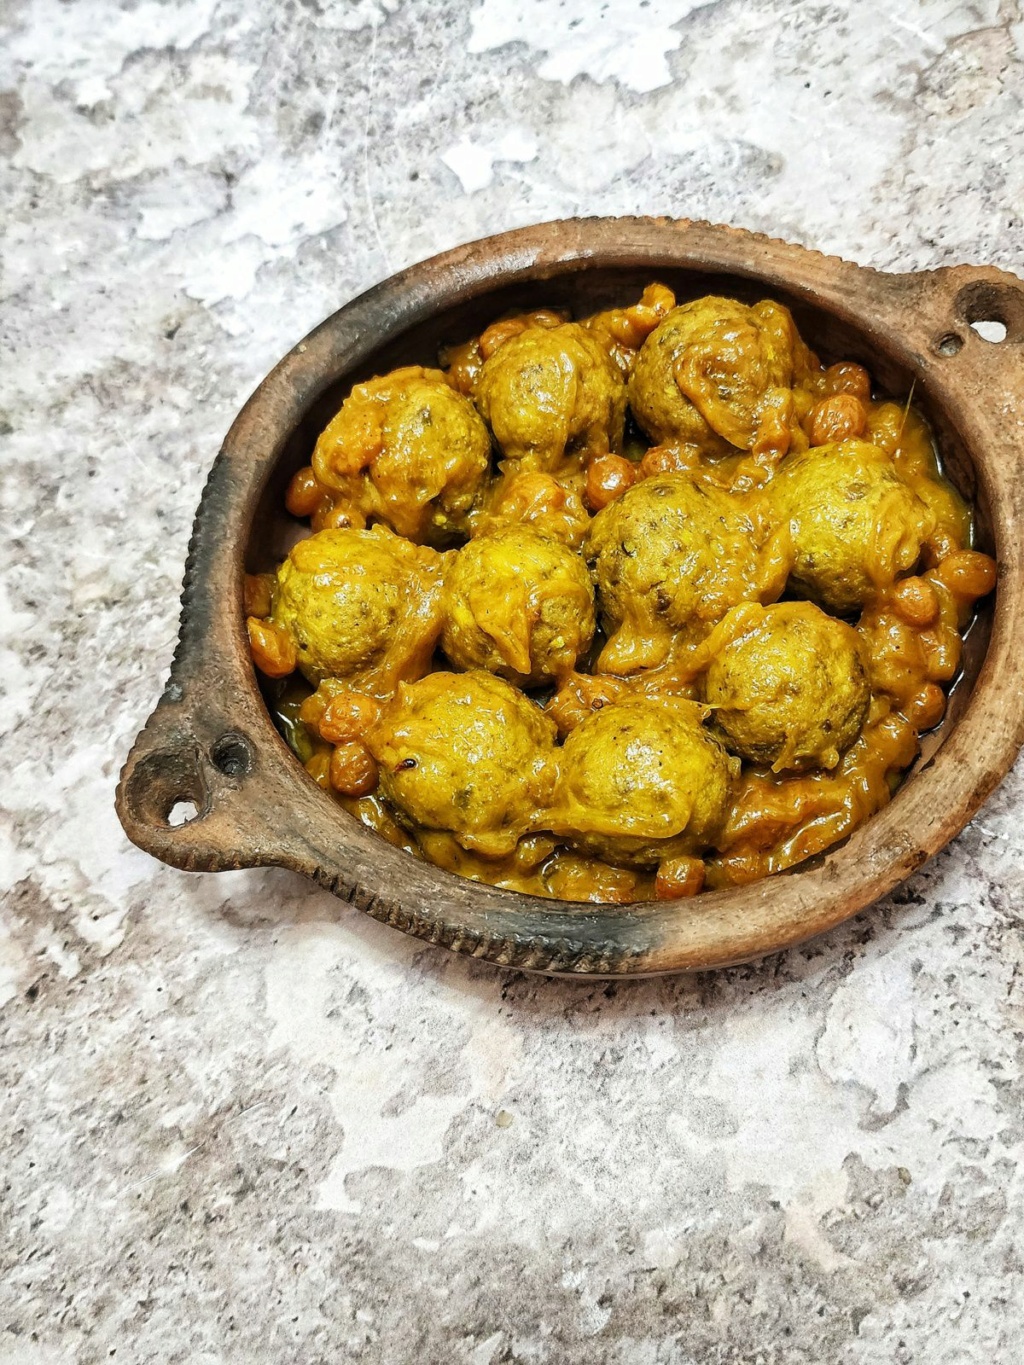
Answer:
(211, 742)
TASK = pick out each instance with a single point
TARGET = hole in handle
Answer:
(989, 329)
(994, 310)
(166, 790)
(182, 813)
(232, 755)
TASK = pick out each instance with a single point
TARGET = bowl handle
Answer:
(181, 795)
(983, 370)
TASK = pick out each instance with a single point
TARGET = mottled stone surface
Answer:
(242, 1123)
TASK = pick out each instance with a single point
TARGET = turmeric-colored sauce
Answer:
(619, 608)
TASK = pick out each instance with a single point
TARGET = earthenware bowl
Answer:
(210, 742)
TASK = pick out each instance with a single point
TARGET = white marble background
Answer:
(242, 1123)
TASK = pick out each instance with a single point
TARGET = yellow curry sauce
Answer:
(620, 608)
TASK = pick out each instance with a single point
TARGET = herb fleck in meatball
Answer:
(642, 780)
(855, 526)
(790, 691)
(364, 606)
(718, 374)
(519, 604)
(673, 552)
(467, 753)
(549, 391)
(408, 450)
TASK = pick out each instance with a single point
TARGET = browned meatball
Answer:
(408, 450)
(720, 375)
(642, 780)
(549, 391)
(670, 557)
(467, 753)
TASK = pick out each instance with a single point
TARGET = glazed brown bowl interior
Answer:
(584, 291)
(211, 738)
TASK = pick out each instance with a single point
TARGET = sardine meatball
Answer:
(673, 553)
(790, 691)
(468, 754)
(712, 372)
(642, 780)
(363, 606)
(549, 391)
(408, 450)
(519, 604)
(855, 526)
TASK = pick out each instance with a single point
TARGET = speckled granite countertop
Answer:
(242, 1123)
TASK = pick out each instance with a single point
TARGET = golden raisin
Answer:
(319, 768)
(257, 594)
(531, 496)
(942, 650)
(838, 418)
(273, 649)
(628, 328)
(353, 770)
(608, 477)
(574, 878)
(305, 493)
(534, 850)
(774, 430)
(667, 460)
(848, 377)
(348, 716)
(915, 601)
(968, 574)
(656, 302)
(313, 708)
(581, 694)
(926, 708)
(499, 332)
(462, 365)
(337, 516)
(678, 877)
